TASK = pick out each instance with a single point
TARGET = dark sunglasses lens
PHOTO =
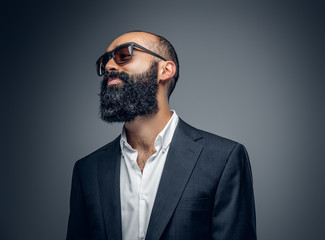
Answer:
(123, 54)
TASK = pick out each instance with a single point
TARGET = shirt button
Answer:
(141, 236)
(142, 197)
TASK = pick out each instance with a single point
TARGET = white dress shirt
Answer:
(138, 190)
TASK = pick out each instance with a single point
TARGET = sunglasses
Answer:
(121, 55)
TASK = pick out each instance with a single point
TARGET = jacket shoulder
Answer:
(207, 138)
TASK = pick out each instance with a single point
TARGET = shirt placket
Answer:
(142, 204)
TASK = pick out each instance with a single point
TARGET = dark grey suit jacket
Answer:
(205, 192)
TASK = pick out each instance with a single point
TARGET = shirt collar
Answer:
(163, 139)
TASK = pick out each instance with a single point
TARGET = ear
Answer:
(167, 70)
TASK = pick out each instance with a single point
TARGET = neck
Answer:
(142, 131)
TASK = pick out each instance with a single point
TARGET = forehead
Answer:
(137, 37)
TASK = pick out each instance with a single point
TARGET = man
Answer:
(161, 178)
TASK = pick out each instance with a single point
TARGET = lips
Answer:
(112, 81)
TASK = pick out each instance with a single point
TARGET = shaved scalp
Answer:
(164, 48)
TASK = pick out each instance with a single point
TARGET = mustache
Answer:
(116, 74)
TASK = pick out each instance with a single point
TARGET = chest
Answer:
(143, 157)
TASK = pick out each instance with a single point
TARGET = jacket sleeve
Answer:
(233, 216)
(77, 224)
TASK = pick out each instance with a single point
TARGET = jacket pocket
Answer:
(198, 204)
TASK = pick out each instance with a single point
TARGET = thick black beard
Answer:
(136, 97)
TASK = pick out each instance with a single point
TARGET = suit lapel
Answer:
(109, 189)
(181, 159)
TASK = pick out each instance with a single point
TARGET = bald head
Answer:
(142, 38)
(155, 43)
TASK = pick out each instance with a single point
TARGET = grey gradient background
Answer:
(252, 71)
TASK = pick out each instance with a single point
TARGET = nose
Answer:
(111, 65)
